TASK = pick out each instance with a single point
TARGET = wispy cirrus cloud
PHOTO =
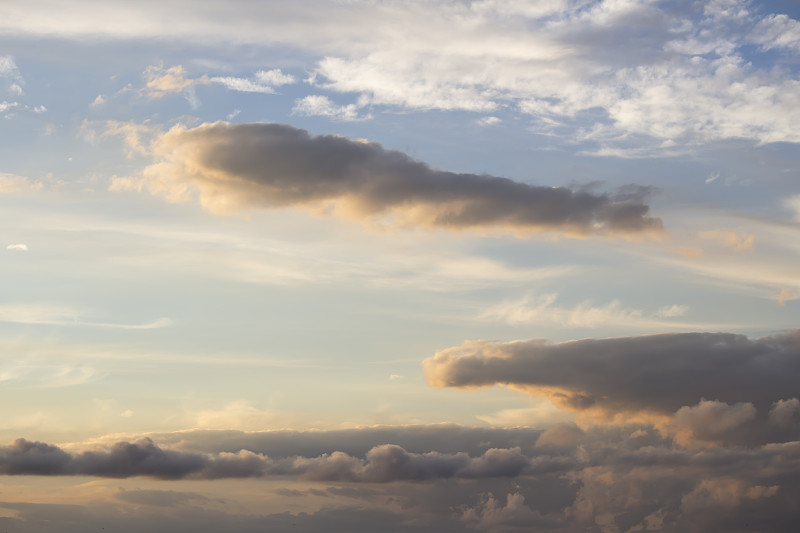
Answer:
(545, 310)
(55, 315)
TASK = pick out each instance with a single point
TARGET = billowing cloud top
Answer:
(235, 166)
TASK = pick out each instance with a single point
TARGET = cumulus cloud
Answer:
(576, 480)
(713, 384)
(17, 247)
(232, 167)
(492, 515)
(382, 464)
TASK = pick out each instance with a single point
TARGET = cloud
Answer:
(697, 73)
(10, 78)
(55, 315)
(162, 81)
(681, 378)
(382, 464)
(322, 106)
(544, 310)
(488, 121)
(491, 515)
(17, 247)
(15, 183)
(232, 167)
(264, 81)
(570, 480)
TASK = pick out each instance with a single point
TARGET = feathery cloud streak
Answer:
(232, 167)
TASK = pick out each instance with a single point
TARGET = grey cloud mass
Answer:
(382, 464)
(236, 166)
(716, 385)
(619, 477)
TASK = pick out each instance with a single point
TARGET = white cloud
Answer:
(489, 121)
(318, 105)
(264, 81)
(17, 247)
(689, 78)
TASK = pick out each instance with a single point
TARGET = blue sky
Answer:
(293, 243)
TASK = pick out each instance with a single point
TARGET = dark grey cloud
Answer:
(235, 166)
(608, 478)
(382, 464)
(611, 478)
(714, 384)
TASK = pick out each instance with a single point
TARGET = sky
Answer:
(400, 266)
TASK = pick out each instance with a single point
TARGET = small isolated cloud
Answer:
(322, 106)
(5, 106)
(264, 81)
(396, 377)
(714, 176)
(162, 81)
(100, 100)
(672, 311)
(17, 247)
(488, 121)
(11, 77)
(238, 166)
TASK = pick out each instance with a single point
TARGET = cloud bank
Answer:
(382, 464)
(237, 166)
(564, 479)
